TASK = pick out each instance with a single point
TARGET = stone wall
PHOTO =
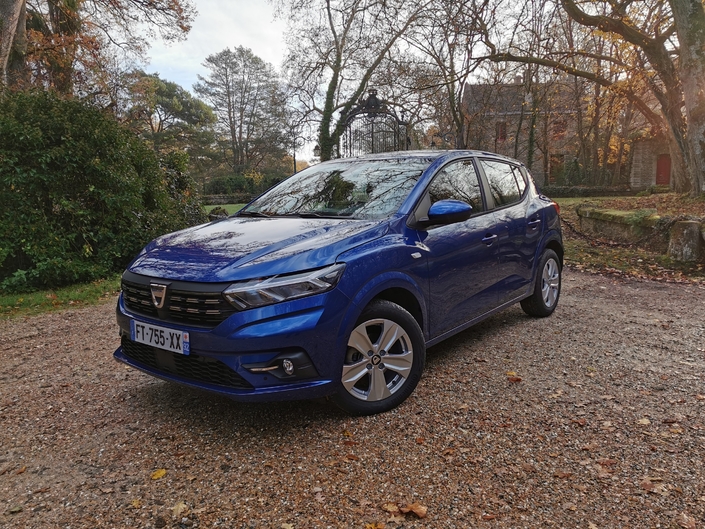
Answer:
(684, 241)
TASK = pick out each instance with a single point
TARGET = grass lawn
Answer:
(230, 208)
(13, 305)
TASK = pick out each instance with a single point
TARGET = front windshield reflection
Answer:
(362, 189)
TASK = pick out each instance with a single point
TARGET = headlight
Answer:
(261, 292)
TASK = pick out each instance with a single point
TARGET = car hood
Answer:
(242, 248)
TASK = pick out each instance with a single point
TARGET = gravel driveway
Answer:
(592, 418)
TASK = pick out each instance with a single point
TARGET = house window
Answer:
(559, 128)
(501, 132)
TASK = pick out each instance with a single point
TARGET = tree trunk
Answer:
(689, 17)
(10, 11)
(17, 71)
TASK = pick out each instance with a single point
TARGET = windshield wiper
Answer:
(252, 214)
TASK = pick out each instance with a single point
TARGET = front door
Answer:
(663, 170)
(462, 257)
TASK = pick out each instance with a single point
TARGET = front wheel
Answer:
(383, 362)
(547, 290)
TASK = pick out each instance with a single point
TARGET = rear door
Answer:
(518, 226)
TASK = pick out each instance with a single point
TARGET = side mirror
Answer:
(446, 212)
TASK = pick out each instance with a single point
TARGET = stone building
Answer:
(651, 163)
(540, 128)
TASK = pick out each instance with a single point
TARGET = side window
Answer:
(503, 183)
(521, 181)
(458, 181)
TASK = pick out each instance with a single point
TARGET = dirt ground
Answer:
(592, 418)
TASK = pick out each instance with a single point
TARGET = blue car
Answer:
(334, 282)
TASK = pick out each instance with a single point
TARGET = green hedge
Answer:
(79, 193)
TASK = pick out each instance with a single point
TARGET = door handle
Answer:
(533, 224)
(489, 239)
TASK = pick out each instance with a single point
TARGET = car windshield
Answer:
(362, 189)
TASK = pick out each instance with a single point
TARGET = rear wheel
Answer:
(384, 360)
(547, 290)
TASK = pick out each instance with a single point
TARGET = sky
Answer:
(219, 25)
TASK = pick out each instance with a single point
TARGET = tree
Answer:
(10, 18)
(70, 41)
(662, 47)
(249, 104)
(164, 113)
(335, 50)
(446, 39)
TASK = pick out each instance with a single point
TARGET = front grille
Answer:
(199, 308)
(190, 367)
(138, 298)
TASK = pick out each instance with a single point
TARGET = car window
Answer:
(458, 181)
(502, 181)
(521, 180)
(363, 189)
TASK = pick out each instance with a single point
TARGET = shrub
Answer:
(80, 194)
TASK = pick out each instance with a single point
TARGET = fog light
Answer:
(288, 366)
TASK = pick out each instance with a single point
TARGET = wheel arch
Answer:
(557, 247)
(396, 287)
(405, 299)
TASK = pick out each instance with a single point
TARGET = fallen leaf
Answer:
(390, 507)
(287, 526)
(352, 457)
(514, 379)
(579, 422)
(377, 525)
(685, 520)
(418, 509)
(158, 474)
(21, 471)
(15, 510)
(179, 509)
(350, 443)
(511, 374)
(107, 491)
(136, 503)
(347, 434)
(420, 440)
(489, 516)
(607, 462)
(562, 474)
(644, 421)
(396, 518)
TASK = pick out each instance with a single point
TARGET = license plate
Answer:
(161, 337)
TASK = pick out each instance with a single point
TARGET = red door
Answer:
(663, 170)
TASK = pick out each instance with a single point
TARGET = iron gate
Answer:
(373, 127)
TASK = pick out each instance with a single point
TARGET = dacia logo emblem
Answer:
(158, 295)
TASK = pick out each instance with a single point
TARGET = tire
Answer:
(547, 289)
(383, 362)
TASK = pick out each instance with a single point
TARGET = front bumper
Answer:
(242, 357)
